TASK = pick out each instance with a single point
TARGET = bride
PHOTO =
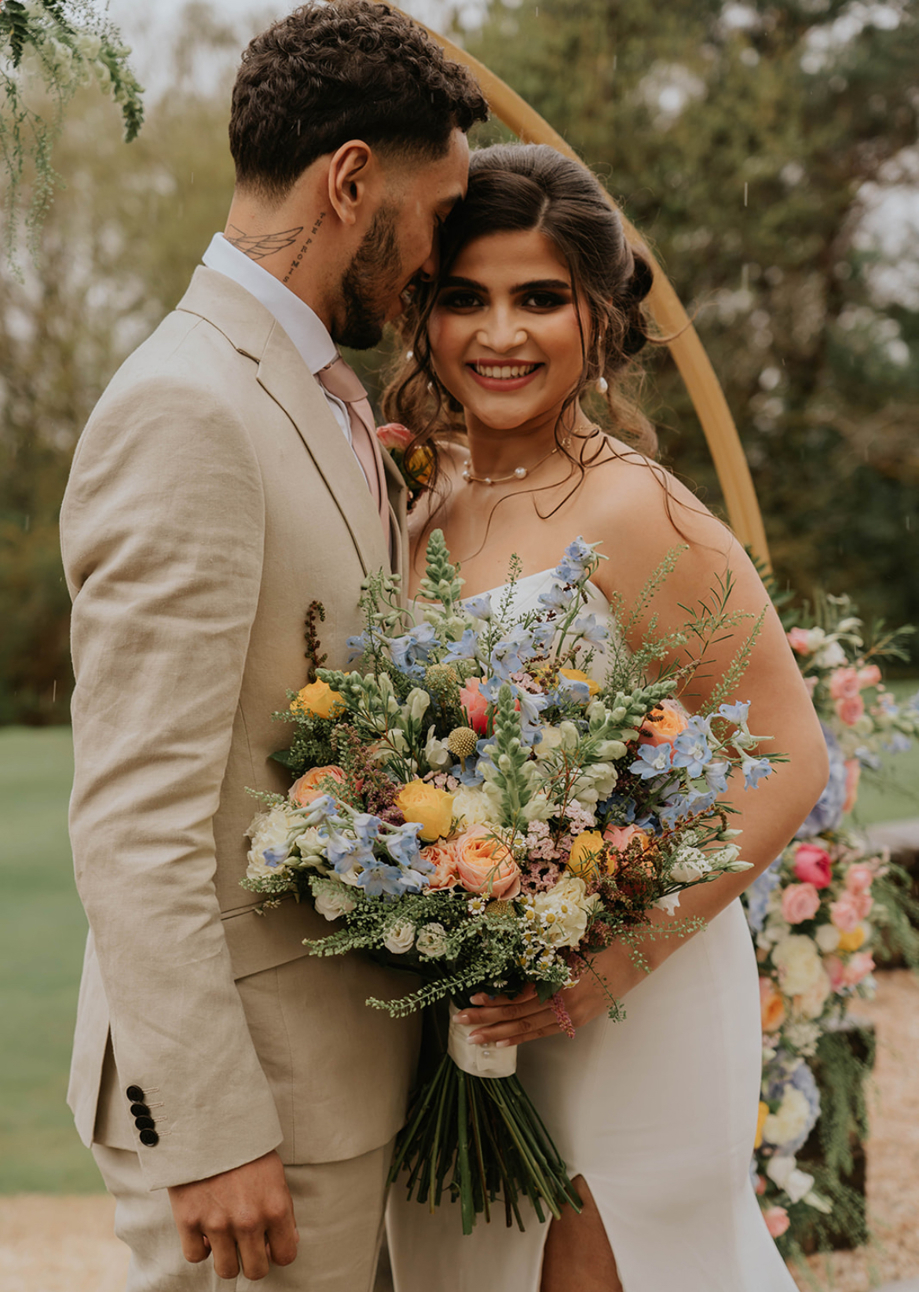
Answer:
(536, 306)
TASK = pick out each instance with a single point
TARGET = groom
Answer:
(239, 1096)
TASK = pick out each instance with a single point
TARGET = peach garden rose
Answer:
(485, 865)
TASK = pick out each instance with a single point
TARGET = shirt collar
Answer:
(304, 327)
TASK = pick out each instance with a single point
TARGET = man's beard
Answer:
(370, 284)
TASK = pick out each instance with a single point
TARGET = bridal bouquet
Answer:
(474, 807)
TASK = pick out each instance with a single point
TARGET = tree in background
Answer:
(760, 147)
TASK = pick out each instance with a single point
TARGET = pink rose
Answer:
(853, 775)
(799, 640)
(870, 675)
(847, 911)
(306, 789)
(850, 709)
(441, 855)
(800, 902)
(811, 684)
(759, 1186)
(813, 865)
(844, 683)
(394, 436)
(858, 878)
(836, 971)
(475, 705)
(860, 965)
(777, 1221)
(485, 865)
(620, 836)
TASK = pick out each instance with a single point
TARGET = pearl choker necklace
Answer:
(520, 473)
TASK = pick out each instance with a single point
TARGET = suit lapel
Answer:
(398, 515)
(281, 372)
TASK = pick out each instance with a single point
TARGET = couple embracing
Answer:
(240, 1099)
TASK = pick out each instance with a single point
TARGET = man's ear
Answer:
(354, 172)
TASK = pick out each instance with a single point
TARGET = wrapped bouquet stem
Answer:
(472, 804)
(473, 1131)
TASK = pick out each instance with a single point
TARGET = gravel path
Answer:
(65, 1244)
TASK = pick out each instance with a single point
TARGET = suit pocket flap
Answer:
(258, 942)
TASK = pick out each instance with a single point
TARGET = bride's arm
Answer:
(642, 525)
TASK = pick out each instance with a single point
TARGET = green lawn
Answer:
(42, 930)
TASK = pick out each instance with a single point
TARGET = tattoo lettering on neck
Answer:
(259, 245)
(295, 264)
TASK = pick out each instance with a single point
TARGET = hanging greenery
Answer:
(48, 50)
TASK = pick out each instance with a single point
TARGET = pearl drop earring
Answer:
(602, 385)
(409, 355)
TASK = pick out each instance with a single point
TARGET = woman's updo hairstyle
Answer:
(518, 188)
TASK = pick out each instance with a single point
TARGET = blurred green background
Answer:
(768, 153)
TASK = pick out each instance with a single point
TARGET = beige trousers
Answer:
(339, 1211)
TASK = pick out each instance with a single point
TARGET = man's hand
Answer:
(247, 1211)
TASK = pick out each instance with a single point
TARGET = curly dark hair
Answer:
(519, 187)
(333, 72)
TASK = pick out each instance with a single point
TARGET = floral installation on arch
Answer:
(818, 916)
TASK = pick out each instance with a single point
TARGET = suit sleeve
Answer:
(162, 531)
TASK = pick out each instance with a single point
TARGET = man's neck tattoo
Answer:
(295, 263)
(258, 246)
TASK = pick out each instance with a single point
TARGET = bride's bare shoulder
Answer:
(628, 488)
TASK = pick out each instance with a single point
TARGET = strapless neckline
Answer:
(528, 578)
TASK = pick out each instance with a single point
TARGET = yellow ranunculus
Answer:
(760, 1123)
(319, 700)
(420, 801)
(852, 941)
(575, 675)
(586, 852)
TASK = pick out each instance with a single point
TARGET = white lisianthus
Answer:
(668, 903)
(798, 962)
(334, 902)
(400, 937)
(437, 754)
(269, 832)
(790, 1122)
(563, 911)
(474, 806)
(692, 863)
(783, 1171)
(432, 941)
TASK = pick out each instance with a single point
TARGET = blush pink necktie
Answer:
(340, 380)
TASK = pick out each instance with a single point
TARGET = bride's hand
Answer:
(511, 1020)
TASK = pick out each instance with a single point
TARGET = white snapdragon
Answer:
(437, 754)
(400, 937)
(417, 704)
(691, 864)
(432, 941)
(668, 903)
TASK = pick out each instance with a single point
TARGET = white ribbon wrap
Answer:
(478, 1060)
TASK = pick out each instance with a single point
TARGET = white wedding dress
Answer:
(658, 1115)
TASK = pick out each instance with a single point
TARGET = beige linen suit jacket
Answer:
(212, 498)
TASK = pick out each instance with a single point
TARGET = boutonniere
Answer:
(417, 467)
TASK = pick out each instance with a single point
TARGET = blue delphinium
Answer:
(653, 760)
(828, 810)
(758, 894)
(479, 607)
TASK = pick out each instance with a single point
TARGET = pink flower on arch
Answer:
(777, 1221)
(800, 902)
(813, 865)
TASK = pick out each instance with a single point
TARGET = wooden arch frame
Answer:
(666, 308)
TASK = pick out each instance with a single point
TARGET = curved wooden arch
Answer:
(666, 308)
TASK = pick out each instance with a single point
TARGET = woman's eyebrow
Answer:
(542, 285)
(463, 282)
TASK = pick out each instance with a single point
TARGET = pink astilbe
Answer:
(562, 1017)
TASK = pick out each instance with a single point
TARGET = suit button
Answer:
(135, 1095)
(140, 1110)
(144, 1123)
(149, 1137)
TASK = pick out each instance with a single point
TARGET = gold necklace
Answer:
(520, 473)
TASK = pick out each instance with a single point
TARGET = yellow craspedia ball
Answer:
(319, 700)
(575, 675)
(760, 1123)
(586, 852)
(852, 941)
(421, 801)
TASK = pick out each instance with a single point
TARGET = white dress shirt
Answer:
(304, 327)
